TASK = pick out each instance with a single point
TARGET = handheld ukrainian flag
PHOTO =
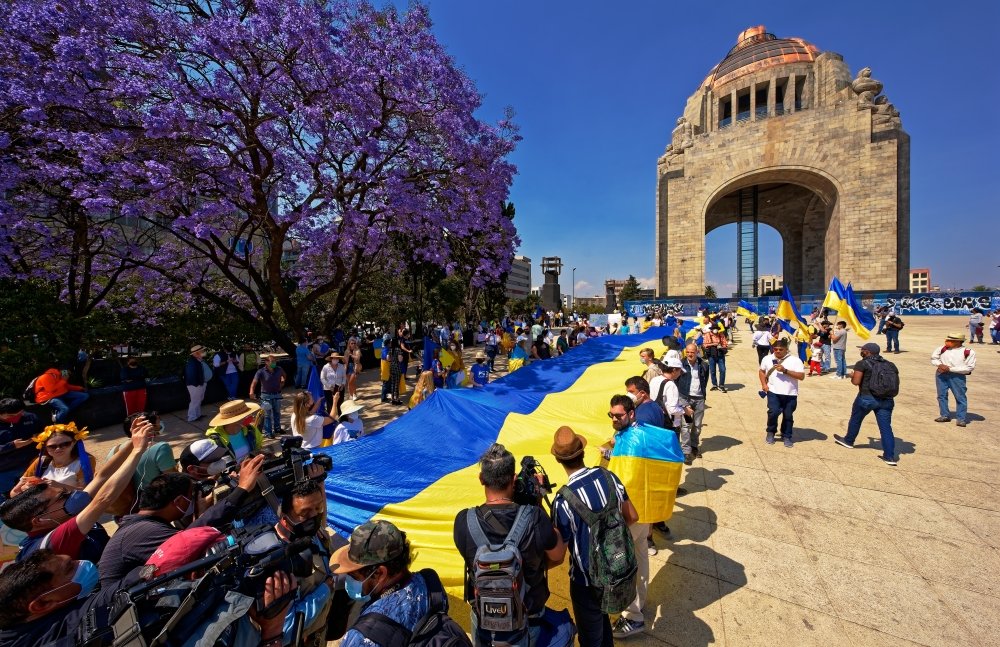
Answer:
(835, 296)
(315, 388)
(649, 463)
(789, 313)
(860, 320)
(744, 309)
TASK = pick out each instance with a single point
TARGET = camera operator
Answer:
(206, 462)
(540, 546)
(45, 600)
(64, 520)
(303, 516)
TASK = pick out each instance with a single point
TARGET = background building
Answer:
(769, 282)
(519, 278)
(618, 284)
(920, 280)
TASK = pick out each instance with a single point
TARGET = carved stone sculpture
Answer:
(885, 113)
(866, 88)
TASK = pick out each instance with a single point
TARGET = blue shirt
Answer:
(480, 374)
(649, 413)
(589, 486)
(303, 355)
(406, 606)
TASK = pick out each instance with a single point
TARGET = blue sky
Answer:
(597, 86)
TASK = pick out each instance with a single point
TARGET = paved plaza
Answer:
(818, 544)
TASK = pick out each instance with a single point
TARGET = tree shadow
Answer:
(699, 479)
(690, 581)
(804, 434)
(717, 444)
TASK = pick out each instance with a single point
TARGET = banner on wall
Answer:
(940, 303)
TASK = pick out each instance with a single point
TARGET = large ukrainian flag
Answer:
(422, 468)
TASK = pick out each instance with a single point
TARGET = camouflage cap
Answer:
(373, 542)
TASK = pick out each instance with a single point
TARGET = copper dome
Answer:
(755, 50)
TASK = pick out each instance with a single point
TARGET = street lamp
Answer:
(572, 307)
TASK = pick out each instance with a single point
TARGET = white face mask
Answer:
(631, 396)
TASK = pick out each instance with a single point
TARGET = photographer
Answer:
(491, 524)
(65, 521)
(205, 462)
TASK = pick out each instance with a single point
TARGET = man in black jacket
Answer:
(691, 385)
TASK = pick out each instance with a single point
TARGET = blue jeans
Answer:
(66, 403)
(995, 335)
(232, 382)
(863, 405)
(780, 405)
(954, 382)
(271, 403)
(839, 354)
(891, 339)
(719, 361)
(302, 375)
(826, 357)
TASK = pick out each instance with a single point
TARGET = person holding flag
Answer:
(780, 374)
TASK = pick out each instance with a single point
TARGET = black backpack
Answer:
(435, 629)
(29, 392)
(883, 378)
(668, 418)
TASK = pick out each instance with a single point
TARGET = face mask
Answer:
(274, 365)
(86, 576)
(76, 502)
(189, 510)
(631, 396)
(14, 418)
(642, 361)
(303, 529)
(354, 588)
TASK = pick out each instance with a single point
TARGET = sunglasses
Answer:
(615, 416)
(58, 446)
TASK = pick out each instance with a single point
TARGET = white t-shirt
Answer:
(65, 475)
(331, 377)
(762, 338)
(671, 397)
(779, 383)
(312, 436)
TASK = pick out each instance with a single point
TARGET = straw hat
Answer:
(350, 407)
(234, 411)
(567, 444)
(196, 348)
(956, 336)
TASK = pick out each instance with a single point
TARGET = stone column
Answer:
(771, 94)
(790, 89)
(753, 101)
(736, 105)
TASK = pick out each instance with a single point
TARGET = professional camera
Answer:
(194, 598)
(284, 471)
(532, 483)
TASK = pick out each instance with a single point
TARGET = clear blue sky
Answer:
(597, 86)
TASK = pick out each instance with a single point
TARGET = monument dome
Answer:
(755, 50)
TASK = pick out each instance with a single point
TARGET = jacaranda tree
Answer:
(269, 156)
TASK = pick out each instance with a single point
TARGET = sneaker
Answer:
(887, 461)
(840, 441)
(834, 377)
(650, 546)
(769, 439)
(788, 442)
(714, 388)
(625, 628)
(942, 419)
(688, 459)
(960, 423)
(723, 389)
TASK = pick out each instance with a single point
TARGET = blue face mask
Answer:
(354, 588)
(77, 501)
(87, 577)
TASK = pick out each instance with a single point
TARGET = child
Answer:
(816, 361)
(481, 371)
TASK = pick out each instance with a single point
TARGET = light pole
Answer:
(572, 307)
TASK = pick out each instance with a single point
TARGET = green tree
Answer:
(710, 292)
(630, 292)
(981, 288)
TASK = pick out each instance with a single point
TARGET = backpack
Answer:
(29, 392)
(497, 575)
(883, 380)
(668, 418)
(612, 567)
(435, 629)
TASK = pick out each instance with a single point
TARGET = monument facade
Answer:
(782, 134)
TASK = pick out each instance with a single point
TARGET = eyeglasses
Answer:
(615, 416)
(58, 446)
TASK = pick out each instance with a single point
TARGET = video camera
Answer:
(166, 610)
(532, 483)
(286, 469)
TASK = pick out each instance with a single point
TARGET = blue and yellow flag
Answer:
(860, 320)
(744, 309)
(789, 313)
(420, 470)
(648, 461)
(835, 296)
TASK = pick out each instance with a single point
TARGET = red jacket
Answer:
(51, 384)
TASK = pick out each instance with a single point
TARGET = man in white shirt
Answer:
(334, 378)
(953, 362)
(663, 390)
(779, 374)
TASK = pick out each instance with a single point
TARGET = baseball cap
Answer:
(373, 542)
(673, 362)
(872, 348)
(180, 550)
(202, 451)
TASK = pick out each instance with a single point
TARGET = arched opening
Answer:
(721, 258)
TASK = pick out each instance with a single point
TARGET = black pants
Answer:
(593, 627)
(762, 352)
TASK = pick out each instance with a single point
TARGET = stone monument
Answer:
(780, 133)
(551, 294)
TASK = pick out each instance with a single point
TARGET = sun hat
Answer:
(956, 336)
(234, 411)
(196, 348)
(567, 444)
(350, 407)
(373, 542)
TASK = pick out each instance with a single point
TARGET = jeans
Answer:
(891, 339)
(271, 403)
(231, 382)
(639, 532)
(865, 404)
(302, 375)
(197, 394)
(973, 334)
(528, 639)
(840, 354)
(827, 352)
(593, 625)
(65, 403)
(881, 326)
(995, 335)
(691, 431)
(719, 361)
(954, 382)
(780, 405)
(491, 355)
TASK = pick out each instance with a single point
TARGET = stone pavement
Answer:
(818, 544)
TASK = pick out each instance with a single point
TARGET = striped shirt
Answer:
(590, 487)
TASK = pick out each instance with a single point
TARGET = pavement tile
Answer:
(752, 515)
(683, 608)
(753, 619)
(911, 513)
(975, 494)
(690, 546)
(772, 567)
(975, 567)
(793, 464)
(745, 480)
(985, 524)
(875, 475)
(848, 537)
(862, 636)
(895, 603)
(819, 495)
(979, 612)
(742, 454)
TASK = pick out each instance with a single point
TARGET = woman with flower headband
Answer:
(62, 457)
